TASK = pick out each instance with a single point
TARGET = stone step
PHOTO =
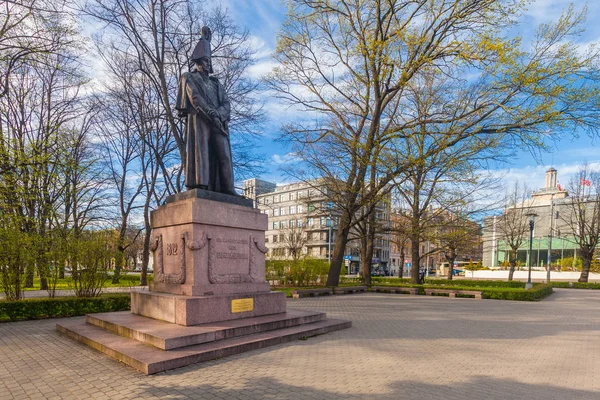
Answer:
(167, 336)
(151, 360)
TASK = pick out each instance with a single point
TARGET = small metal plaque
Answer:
(242, 305)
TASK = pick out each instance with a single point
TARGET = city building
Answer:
(552, 207)
(401, 247)
(303, 222)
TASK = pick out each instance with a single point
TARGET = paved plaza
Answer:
(399, 347)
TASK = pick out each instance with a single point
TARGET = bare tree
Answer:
(29, 29)
(583, 215)
(160, 37)
(347, 65)
(399, 234)
(512, 225)
(294, 239)
(457, 235)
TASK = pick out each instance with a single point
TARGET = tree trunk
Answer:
(401, 267)
(512, 261)
(118, 263)
(450, 267)
(146, 251)
(586, 262)
(29, 278)
(415, 276)
(333, 277)
(367, 258)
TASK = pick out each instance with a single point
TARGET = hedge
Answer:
(563, 285)
(576, 285)
(475, 283)
(62, 306)
(538, 292)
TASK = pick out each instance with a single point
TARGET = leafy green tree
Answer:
(347, 66)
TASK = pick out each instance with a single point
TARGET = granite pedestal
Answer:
(209, 297)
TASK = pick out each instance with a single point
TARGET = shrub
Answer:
(475, 283)
(586, 285)
(62, 306)
(130, 279)
(561, 284)
(302, 272)
(568, 264)
(384, 280)
(537, 292)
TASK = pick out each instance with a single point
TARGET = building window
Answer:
(328, 222)
(266, 239)
(274, 238)
(282, 197)
(282, 211)
(299, 223)
(275, 225)
(329, 205)
(276, 212)
(311, 207)
(323, 219)
(292, 210)
(282, 225)
(309, 222)
(299, 208)
(281, 238)
(292, 223)
(275, 199)
(292, 196)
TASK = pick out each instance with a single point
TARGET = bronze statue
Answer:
(203, 100)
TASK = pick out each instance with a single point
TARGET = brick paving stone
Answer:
(400, 347)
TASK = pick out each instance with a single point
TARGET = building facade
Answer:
(552, 233)
(401, 247)
(303, 222)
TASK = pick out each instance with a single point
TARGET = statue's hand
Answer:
(181, 113)
(212, 113)
(219, 125)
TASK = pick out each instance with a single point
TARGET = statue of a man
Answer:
(202, 99)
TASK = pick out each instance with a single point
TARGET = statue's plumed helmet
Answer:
(202, 49)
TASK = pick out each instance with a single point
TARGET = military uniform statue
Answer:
(203, 101)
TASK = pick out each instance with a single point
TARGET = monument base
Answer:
(152, 346)
(209, 298)
(195, 310)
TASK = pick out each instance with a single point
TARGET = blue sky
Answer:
(263, 18)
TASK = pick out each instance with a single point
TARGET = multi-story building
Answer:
(303, 221)
(401, 247)
(552, 208)
(255, 187)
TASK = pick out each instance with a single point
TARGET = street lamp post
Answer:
(329, 243)
(550, 238)
(531, 216)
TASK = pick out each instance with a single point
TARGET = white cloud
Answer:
(534, 176)
(287, 158)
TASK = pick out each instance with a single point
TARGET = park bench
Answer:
(395, 289)
(296, 294)
(453, 292)
(349, 289)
